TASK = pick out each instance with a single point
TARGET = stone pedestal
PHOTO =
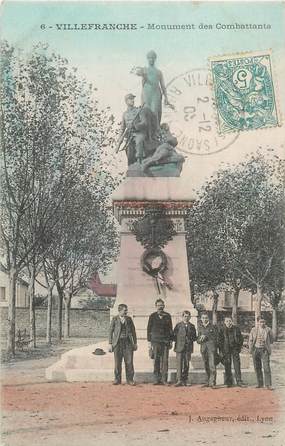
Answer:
(139, 291)
(135, 287)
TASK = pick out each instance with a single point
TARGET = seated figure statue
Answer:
(165, 151)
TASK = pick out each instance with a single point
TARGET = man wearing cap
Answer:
(126, 127)
(260, 340)
(138, 129)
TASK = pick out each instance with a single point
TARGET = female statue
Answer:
(153, 87)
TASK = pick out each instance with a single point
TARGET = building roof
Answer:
(102, 289)
(19, 279)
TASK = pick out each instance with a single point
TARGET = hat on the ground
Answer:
(99, 351)
(129, 96)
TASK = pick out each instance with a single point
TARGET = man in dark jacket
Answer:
(159, 336)
(123, 342)
(230, 344)
(184, 335)
(208, 339)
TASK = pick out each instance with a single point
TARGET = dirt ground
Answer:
(36, 412)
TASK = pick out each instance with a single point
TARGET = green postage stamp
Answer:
(244, 91)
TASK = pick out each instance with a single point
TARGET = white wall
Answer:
(21, 292)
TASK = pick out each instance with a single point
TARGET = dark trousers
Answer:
(124, 350)
(261, 359)
(161, 353)
(131, 152)
(210, 366)
(182, 364)
(229, 358)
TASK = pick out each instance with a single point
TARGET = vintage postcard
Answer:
(142, 236)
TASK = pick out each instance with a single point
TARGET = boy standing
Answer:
(208, 340)
(230, 344)
(184, 336)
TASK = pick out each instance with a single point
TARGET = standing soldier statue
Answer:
(137, 131)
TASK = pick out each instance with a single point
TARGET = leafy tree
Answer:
(273, 289)
(203, 257)
(28, 158)
(263, 268)
(231, 240)
(83, 244)
(53, 131)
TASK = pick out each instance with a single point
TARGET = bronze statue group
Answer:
(146, 141)
(221, 344)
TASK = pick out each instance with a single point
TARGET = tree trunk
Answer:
(215, 308)
(274, 324)
(34, 325)
(12, 312)
(235, 306)
(259, 297)
(31, 294)
(67, 302)
(59, 313)
(49, 315)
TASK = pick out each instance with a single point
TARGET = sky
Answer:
(106, 57)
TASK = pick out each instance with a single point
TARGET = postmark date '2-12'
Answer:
(192, 118)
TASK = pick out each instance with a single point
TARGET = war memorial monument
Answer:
(151, 206)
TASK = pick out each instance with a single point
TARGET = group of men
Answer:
(222, 344)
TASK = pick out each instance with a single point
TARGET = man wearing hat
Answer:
(260, 340)
(138, 129)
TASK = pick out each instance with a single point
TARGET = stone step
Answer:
(141, 376)
(90, 361)
(84, 358)
(80, 364)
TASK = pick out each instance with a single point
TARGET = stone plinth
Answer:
(152, 189)
(136, 288)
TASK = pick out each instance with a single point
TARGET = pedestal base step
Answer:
(81, 364)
